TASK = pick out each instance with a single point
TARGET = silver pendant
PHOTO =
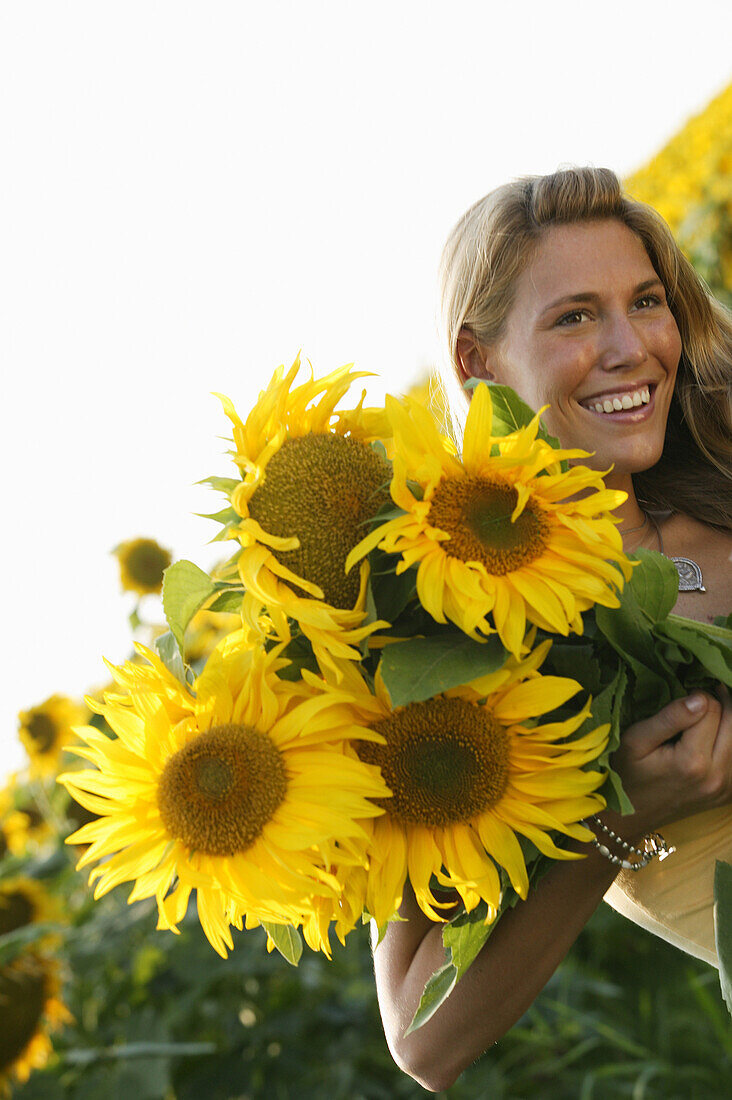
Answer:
(690, 575)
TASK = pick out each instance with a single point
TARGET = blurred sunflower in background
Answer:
(23, 901)
(498, 533)
(310, 479)
(228, 791)
(46, 729)
(30, 1007)
(142, 563)
(689, 182)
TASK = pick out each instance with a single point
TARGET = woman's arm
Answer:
(665, 780)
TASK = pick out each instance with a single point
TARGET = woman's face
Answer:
(590, 330)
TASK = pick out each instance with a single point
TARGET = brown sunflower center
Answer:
(22, 1001)
(218, 792)
(476, 514)
(15, 911)
(146, 562)
(445, 761)
(322, 488)
(43, 731)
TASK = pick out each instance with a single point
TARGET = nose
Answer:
(622, 344)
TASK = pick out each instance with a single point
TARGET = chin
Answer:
(625, 462)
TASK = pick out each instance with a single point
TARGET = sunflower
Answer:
(469, 774)
(310, 479)
(229, 791)
(500, 532)
(29, 1008)
(24, 901)
(45, 729)
(142, 563)
(21, 820)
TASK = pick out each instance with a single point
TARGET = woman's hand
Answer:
(675, 764)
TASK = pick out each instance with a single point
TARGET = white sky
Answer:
(190, 192)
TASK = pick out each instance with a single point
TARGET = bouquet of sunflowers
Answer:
(436, 655)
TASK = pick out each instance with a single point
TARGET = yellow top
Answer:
(674, 898)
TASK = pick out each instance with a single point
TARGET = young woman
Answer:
(577, 297)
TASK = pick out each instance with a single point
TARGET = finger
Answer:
(701, 736)
(676, 717)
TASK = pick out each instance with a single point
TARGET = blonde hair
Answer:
(495, 240)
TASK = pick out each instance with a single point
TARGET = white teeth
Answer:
(627, 401)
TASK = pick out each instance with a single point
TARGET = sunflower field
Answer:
(407, 672)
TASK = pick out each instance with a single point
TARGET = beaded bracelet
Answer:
(653, 845)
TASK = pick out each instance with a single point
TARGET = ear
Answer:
(472, 358)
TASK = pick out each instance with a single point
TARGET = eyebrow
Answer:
(590, 296)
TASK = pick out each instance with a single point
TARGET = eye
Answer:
(574, 317)
(647, 300)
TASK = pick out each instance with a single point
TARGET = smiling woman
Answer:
(577, 297)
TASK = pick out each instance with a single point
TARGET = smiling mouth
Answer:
(615, 404)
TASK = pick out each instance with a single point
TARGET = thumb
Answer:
(677, 716)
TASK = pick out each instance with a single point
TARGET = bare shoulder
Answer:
(712, 551)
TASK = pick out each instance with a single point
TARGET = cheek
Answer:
(664, 343)
(563, 376)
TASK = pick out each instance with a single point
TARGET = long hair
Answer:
(495, 240)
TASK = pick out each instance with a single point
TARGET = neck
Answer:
(630, 511)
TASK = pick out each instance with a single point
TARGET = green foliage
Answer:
(422, 667)
(162, 1017)
(169, 653)
(510, 414)
(668, 655)
(185, 589)
(287, 940)
(463, 938)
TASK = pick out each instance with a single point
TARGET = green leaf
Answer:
(578, 663)
(422, 667)
(169, 653)
(185, 589)
(437, 989)
(628, 630)
(607, 706)
(510, 413)
(715, 657)
(654, 584)
(229, 517)
(392, 592)
(723, 927)
(229, 601)
(465, 935)
(221, 484)
(286, 939)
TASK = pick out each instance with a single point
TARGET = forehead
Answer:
(589, 257)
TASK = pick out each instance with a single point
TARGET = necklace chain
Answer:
(632, 530)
